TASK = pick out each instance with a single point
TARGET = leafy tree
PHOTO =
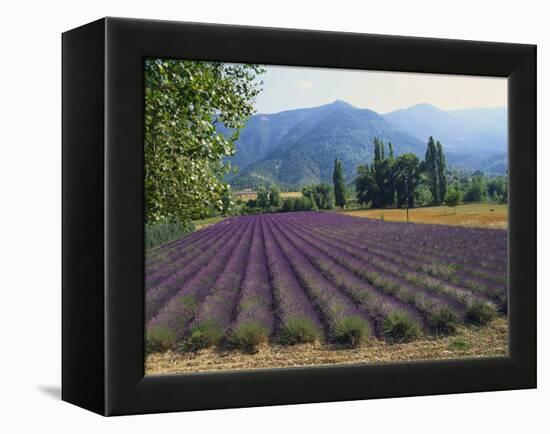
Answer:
(365, 185)
(423, 195)
(339, 184)
(227, 201)
(497, 189)
(314, 206)
(251, 203)
(325, 196)
(453, 198)
(320, 194)
(184, 100)
(298, 204)
(477, 192)
(289, 204)
(274, 196)
(309, 191)
(407, 176)
(386, 172)
(262, 198)
(303, 204)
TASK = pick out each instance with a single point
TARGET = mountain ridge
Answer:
(297, 147)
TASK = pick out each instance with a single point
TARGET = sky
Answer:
(289, 87)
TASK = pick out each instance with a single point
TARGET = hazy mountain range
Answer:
(297, 147)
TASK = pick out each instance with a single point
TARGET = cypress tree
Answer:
(377, 153)
(381, 172)
(378, 171)
(431, 161)
(441, 164)
(339, 184)
(390, 177)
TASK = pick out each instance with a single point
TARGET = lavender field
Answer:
(290, 278)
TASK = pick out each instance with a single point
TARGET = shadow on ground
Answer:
(52, 391)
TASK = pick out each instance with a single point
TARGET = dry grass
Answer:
(246, 196)
(468, 342)
(203, 223)
(473, 215)
(291, 194)
(252, 195)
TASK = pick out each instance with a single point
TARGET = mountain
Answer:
(263, 133)
(298, 147)
(473, 138)
(489, 120)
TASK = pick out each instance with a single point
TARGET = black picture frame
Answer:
(103, 230)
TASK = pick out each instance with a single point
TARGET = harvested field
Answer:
(472, 215)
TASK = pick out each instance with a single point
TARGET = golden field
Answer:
(473, 215)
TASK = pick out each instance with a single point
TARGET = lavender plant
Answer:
(304, 276)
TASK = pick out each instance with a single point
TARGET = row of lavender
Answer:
(297, 277)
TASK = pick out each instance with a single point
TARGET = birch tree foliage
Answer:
(185, 101)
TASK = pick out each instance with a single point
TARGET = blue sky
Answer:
(297, 87)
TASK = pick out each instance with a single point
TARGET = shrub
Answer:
(159, 338)
(249, 335)
(399, 327)
(459, 344)
(388, 286)
(371, 276)
(440, 270)
(298, 330)
(409, 296)
(480, 312)
(160, 233)
(351, 331)
(289, 204)
(453, 198)
(391, 287)
(443, 321)
(302, 204)
(203, 335)
(415, 279)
